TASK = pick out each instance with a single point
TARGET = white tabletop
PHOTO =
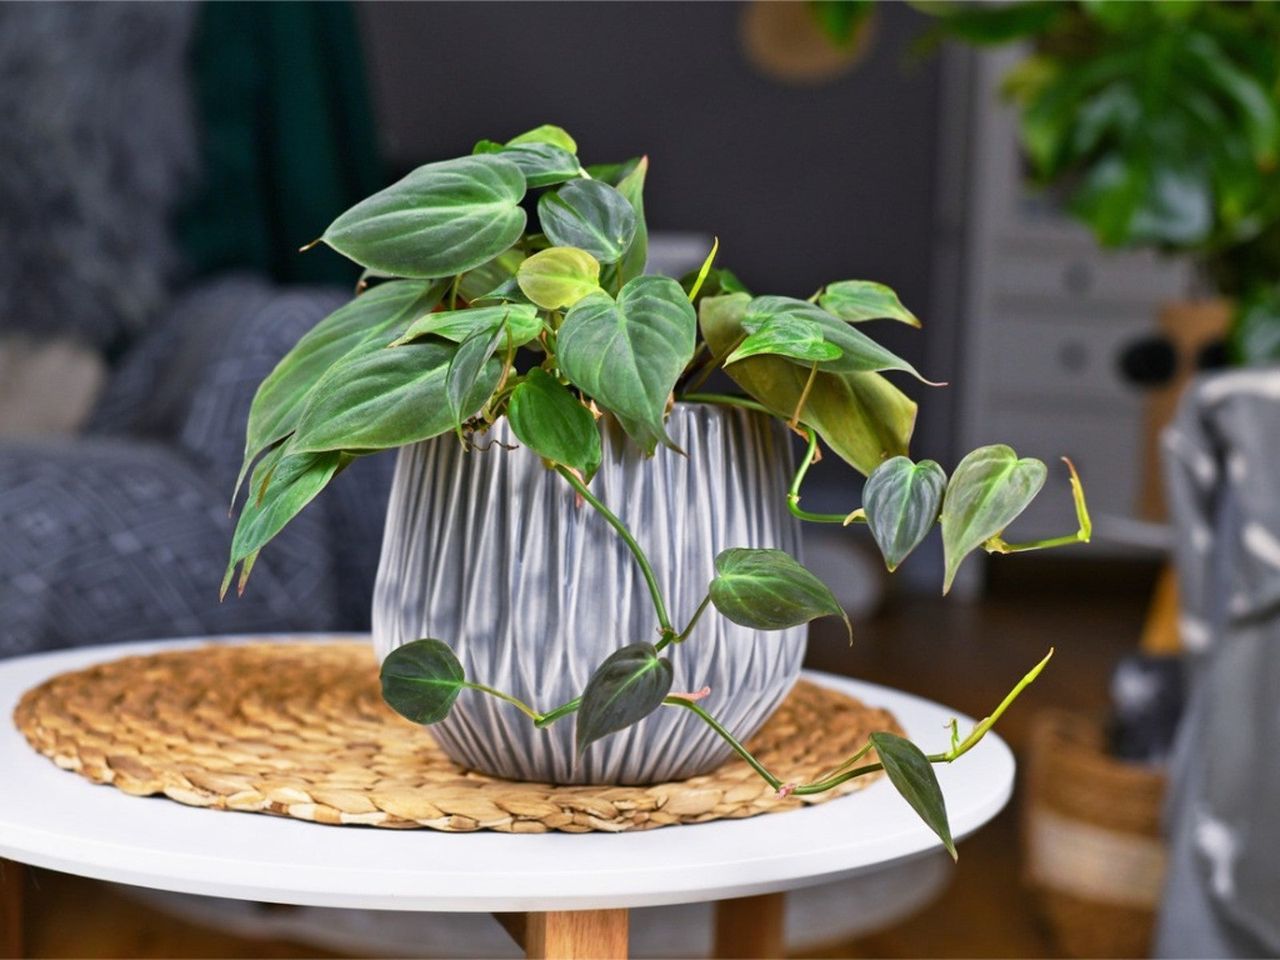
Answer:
(55, 819)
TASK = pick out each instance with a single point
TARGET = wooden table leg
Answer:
(569, 934)
(13, 878)
(751, 927)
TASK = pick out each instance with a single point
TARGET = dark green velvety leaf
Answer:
(793, 337)
(901, 500)
(631, 185)
(627, 354)
(490, 275)
(911, 774)
(858, 352)
(440, 220)
(521, 321)
(770, 590)
(294, 481)
(547, 133)
(559, 277)
(625, 689)
(549, 420)
(469, 381)
(386, 399)
(987, 491)
(364, 325)
(506, 292)
(862, 417)
(543, 164)
(857, 300)
(591, 216)
(421, 680)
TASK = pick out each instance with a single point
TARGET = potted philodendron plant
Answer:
(579, 543)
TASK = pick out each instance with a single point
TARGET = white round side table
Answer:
(560, 895)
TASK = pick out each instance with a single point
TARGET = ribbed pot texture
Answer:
(488, 551)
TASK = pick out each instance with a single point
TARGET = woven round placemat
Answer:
(300, 730)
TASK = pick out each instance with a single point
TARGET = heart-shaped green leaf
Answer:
(626, 688)
(627, 354)
(770, 590)
(282, 485)
(630, 184)
(547, 133)
(421, 680)
(590, 215)
(858, 352)
(862, 416)
(386, 399)
(543, 164)
(506, 292)
(559, 277)
(440, 220)
(521, 321)
(363, 325)
(858, 300)
(548, 419)
(901, 500)
(468, 382)
(911, 774)
(490, 275)
(987, 491)
(793, 337)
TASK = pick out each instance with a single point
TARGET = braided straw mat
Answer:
(300, 730)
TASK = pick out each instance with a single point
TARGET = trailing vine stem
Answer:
(793, 495)
(841, 774)
(655, 591)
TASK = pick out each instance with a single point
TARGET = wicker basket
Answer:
(1091, 830)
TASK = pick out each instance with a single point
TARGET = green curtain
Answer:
(288, 138)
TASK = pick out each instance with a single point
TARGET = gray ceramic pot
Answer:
(488, 551)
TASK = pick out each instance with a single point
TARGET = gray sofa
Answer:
(123, 533)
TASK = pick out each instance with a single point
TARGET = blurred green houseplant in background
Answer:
(1160, 124)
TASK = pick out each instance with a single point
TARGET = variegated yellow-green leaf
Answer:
(857, 300)
(858, 352)
(559, 277)
(861, 416)
(988, 490)
(520, 320)
(792, 337)
(440, 220)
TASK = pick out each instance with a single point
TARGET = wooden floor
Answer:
(965, 655)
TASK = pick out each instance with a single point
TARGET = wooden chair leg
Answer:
(569, 934)
(751, 927)
(12, 893)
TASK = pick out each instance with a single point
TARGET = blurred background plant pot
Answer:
(1092, 838)
(489, 552)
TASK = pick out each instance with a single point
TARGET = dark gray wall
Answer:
(802, 184)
